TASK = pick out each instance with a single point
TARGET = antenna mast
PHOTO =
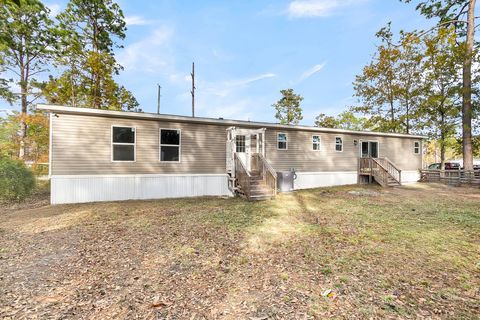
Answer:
(158, 98)
(193, 89)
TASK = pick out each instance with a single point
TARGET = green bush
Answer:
(16, 180)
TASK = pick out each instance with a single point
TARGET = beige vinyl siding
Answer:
(82, 145)
(301, 156)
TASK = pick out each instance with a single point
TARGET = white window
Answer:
(416, 147)
(316, 143)
(170, 140)
(282, 143)
(338, 144)
(123, 143)
(240, 143)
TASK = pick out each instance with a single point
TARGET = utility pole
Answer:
(158, 98)
(193, 89)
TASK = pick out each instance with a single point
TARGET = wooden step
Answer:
(262, 187)
(256, 182)
(261, 196)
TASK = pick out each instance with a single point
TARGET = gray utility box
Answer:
(285, 181)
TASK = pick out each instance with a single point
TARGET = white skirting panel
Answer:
(410, 176)
(92, 188)
(307, 180)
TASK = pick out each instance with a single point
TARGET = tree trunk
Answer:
(442, 141)
(442, 155)
(467, 90)
(23, 113)
(408, 116)
(392, 115)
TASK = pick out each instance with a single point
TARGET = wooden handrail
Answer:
(242, 165)
(260, 164)
(388, 166)
(242, 175)
(379, 163)
(392, 164)
(381, 169)
(268, 173)
(267, 164)
(379, 175)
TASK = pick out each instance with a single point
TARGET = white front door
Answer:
(243, 149)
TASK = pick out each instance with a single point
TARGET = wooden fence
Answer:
(451, 177)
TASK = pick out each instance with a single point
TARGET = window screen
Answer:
(316, 143)
(373, 149)
(123, 144)
(240, 143)
(170, 145)
(416, 147)
(365, 151)
(338, 144)
(123, 135)
(282, 143)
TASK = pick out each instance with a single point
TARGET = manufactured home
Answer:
(101, 155)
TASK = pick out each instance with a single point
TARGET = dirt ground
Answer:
(347, 252)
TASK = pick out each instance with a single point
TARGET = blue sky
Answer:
(246, 51)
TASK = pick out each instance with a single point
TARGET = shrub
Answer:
(16, 180)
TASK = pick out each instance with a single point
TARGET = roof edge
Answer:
(231, 122)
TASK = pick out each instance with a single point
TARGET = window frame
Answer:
(319, 142)
(122, 143)
(244, 143)
(286, 142)
(169, 145)
(335, 143)
(368, 141)
(419, 148)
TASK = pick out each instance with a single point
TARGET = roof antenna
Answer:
(158, 98)
(193, 89)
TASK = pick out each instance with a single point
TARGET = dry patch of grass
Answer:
(346, 252)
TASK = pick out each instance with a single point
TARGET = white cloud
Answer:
(243, 82)
(225, 88)
(151, 54)
(228, 99)
(317, 8)
(310, 72)
(136, 21)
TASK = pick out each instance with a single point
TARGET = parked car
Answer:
(448, 166)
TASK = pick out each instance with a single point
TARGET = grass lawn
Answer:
(347, 252)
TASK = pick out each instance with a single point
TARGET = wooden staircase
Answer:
(379, 170)
(259, 189)
(258, 184)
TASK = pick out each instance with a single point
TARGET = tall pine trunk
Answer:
(23, 118)
(23, 113)
(467, 90)
(442, 141)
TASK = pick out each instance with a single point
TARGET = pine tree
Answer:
(461, 15)
(26, 43)
(90, 31)
(288, 107)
